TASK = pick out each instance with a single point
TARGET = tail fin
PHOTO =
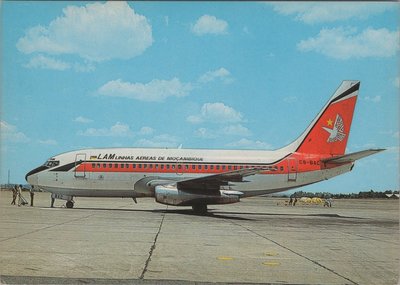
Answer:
(329, 131)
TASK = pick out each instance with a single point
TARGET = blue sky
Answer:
(234, 75)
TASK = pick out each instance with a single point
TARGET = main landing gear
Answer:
(200, 209)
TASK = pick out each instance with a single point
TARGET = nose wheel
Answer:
(69, 204)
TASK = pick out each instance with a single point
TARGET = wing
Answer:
(209, 184)
(351, 157)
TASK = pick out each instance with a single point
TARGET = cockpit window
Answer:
(52, 163)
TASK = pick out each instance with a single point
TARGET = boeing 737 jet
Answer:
(201, 177)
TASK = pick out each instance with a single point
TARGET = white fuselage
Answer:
(125, 172)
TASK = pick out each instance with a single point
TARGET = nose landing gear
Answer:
(69, 204)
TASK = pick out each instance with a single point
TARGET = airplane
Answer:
(202, 177)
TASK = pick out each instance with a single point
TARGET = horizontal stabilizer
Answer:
(351, 157)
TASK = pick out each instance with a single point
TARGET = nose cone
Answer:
(31, 176)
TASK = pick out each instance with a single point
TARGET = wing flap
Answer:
(351, 157)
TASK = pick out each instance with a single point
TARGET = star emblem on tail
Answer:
(337, 132)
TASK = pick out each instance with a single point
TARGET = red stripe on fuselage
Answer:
(302, 163)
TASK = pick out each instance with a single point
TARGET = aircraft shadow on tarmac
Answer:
(223, 214)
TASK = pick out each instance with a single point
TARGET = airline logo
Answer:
(337, 131)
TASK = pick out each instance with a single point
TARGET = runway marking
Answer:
(271, 263)
(271, 253)
(224, 258)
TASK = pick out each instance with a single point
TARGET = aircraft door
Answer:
(80, 171)
(292, 169)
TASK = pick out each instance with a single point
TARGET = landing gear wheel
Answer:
(200, 209)
(69, 204)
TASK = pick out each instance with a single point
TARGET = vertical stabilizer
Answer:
(329, 131)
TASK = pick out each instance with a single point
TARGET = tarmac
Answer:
(259, 240)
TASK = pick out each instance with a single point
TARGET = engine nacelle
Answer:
(170, 195)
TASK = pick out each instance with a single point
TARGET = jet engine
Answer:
(171, 195)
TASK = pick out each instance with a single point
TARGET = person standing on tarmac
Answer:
(19, 189)
(15, 193)
(32, 194)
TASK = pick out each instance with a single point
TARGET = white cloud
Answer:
(311, 13)
(344, 43)
(10, 133)
(375, 99)
(236, 130)
(230, 130)
(391, 133)
(154, 91)
(250, 144)
(194, 119)
(86, 67)
(207, 24)
(82, 120)
(164, 140)
(45, 62)
(48, 142)
(222, 74)
(145, 131)
(205, 133)
(118, 130)
(216, 113)
(96, 32)
(393, 149)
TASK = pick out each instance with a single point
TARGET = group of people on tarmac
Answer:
(292, 201)
(17, 193)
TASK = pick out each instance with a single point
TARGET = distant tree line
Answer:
(361, 195)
